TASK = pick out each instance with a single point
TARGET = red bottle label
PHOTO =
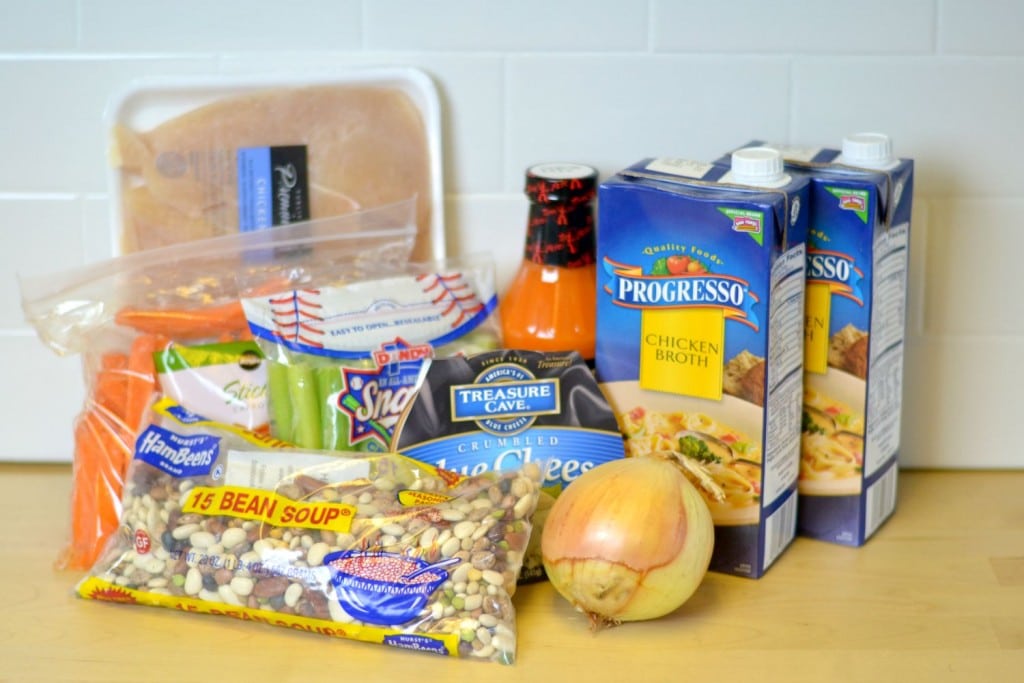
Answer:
(560, 230)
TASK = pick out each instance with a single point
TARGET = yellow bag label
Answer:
(94, 588)
(269, 507)
(683, 351)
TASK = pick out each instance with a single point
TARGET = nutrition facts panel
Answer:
(888, 318)
(785, 358)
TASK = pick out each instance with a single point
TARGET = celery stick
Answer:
(305, 411)
(280, 402)
(333, 422)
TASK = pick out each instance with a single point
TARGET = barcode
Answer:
(779, 531)
(881, 500)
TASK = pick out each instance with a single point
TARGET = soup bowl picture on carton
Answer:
(383, 588)
(728, 446)
(832, 442)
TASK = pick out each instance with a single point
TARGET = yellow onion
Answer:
(628, 540)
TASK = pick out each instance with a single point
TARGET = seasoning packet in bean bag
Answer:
(374, 547)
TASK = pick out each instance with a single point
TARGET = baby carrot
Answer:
(186, 324)
(78, 553)
(141, 378)
(111, 466)
(109, 387)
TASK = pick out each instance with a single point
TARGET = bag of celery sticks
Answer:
(345, 357)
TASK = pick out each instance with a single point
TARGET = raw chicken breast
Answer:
(366, 146)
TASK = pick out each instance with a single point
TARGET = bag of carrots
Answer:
(169, 322)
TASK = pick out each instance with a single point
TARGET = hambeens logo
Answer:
(153, 444)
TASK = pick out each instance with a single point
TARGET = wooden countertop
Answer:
(936, 595)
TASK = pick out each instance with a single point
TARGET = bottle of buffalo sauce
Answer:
(550, 304)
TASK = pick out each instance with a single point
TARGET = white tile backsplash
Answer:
(802, 26)
(522, 26)
(981, 27)
(97, 236)
(610, 111)
(957, 117)
(39, 235)
(212, 27)
(605, 82)
(489, 224)
(39, 26)
(43, 393)
(959, 402)
(967, 292)
(55, 128)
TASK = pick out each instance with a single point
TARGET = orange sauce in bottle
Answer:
(551, 302)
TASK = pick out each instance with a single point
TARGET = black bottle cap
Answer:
(558, 183)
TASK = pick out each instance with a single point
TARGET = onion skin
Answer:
(628, 540)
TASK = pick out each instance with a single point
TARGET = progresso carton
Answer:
(699, 329)
(857, 260)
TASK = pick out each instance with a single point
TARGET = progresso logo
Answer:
(839, 271)
(505, 399)
(630, 287)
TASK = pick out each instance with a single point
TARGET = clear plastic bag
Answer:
(373, 547)
(118, 313)
(345, 358)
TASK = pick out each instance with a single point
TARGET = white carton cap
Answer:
(869, 150)
(760, 166)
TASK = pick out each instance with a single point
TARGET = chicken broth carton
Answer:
(699, 334)
(857, 260)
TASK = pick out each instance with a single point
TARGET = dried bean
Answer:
(315, 554)
(270, 587)
(233, 537)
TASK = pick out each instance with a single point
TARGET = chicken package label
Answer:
(857, 261)
(273, 187)
(699, 344)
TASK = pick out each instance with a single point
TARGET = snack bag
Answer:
(372, 547)
(126, 315)
(227, 381)
(346, 357)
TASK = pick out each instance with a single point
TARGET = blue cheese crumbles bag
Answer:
(498, 411)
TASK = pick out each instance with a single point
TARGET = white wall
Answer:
(598, 81)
